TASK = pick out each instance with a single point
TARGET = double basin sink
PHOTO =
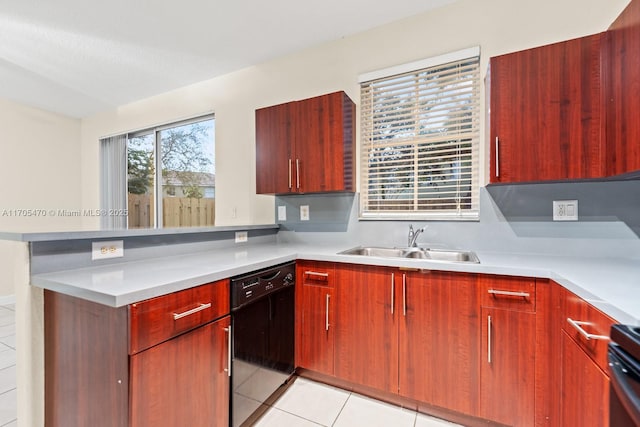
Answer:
(444, 255)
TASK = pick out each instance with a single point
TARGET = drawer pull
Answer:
(313, 273)
(201, 307)
(578, 325)
(495, 292)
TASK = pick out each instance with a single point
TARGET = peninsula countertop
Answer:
(610, 284)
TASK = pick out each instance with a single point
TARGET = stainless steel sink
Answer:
(444, 255)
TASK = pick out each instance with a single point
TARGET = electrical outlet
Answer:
(242, 236)
(105, 250)
(565, 210)
(304, 213)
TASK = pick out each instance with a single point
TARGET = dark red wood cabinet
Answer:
(366, 331)
(584, 374)
(306, 146)
(508, 350)
(163, 361)
(438, 341)
(546, 113)
(315, 316)
(621, 72)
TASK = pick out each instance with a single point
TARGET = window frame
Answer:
(157, 191)
(461, 213)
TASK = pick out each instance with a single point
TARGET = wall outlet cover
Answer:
(304, 213)
(242, 236)
(107, 249)
(565, 210)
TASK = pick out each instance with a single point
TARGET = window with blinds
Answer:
(420, 137)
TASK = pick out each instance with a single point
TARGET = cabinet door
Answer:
(507, 389)
(546, 113)
(315, 308)
(585, 388)
(439, 340)
(324, 144)
(366, 333)
(315, 328)
(183, 381)
(274, 156)
(621, 76)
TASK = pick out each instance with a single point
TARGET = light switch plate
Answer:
(282, 213)
(304, 213)
(107, 249)
(565, 210)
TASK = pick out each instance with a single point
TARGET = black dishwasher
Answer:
(262, 313)
(624, 365)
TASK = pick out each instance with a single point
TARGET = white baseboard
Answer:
(7, 299)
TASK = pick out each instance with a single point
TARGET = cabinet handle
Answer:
(228, 370)
(201, 307)
(497, 157)
(404, 294)
(314, 273)
(298, 174)
(509, 293)
(489, 339)
(289, 174)
(393, 291)
(578, 325)
(326, 323)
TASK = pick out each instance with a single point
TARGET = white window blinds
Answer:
(420, 136)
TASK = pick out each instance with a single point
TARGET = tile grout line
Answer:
(342, 409)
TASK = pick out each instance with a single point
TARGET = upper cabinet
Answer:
(306, 146)
(621, 72)
(545, 113)
(568, 110)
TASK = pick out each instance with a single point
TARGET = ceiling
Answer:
(79, 57)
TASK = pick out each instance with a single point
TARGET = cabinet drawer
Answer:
(588, 327)
(156, 320)
(513, 293)
(315, 273)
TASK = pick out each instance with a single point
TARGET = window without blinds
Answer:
(420, 137)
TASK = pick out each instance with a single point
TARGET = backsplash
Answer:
(515, 218)
(597, 201)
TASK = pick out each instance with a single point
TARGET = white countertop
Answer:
(611, 285)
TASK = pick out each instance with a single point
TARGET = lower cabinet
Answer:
(438, 339)
(183, 381)
(584, 368)
(160, 362)
(315, 307)
(585, 388)
(507, 371)
(366, 330)
(508, 350)
(474, 348)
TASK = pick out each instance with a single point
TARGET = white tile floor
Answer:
(8, 402)
(307, 403)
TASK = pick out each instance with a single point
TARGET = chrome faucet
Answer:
(413, 236)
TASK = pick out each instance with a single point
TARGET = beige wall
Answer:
(498, 26)
(39, 171)
(39, 168)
